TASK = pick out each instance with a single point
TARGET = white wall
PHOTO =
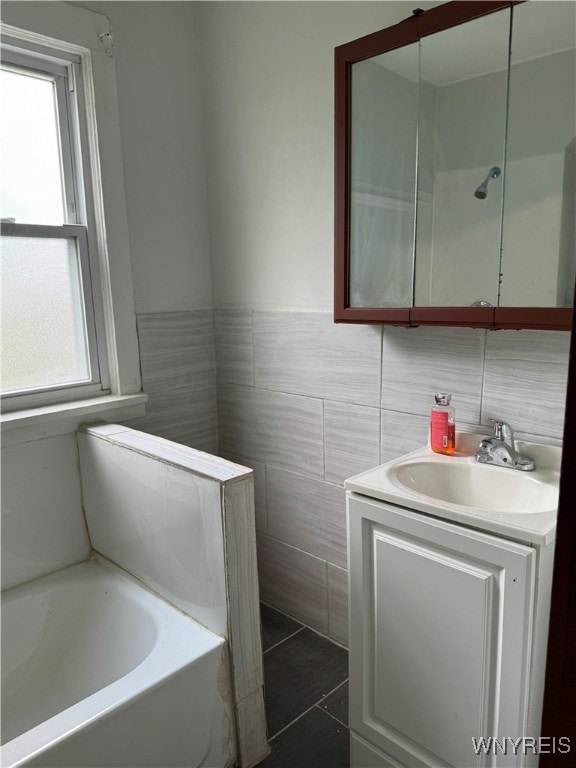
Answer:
(155, 52)
(43, 527)
(269, 80)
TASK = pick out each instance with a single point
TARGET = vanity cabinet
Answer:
(447, 639)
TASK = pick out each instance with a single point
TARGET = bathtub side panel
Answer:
(244, 610)
(159, 522)
(43, 527)
(182, 723)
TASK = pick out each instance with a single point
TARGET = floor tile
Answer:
(276, 626)
(298, 673)
(336, 704)
(316, 740)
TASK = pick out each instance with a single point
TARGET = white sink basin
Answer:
(478, 486)
(496, 499)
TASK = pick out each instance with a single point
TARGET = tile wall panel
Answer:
(351, 440)
(525, 380)
(271, 427)
(234, 346)
(293, 581)
(306, 353)
(187, 416)
(338, 604)
(312, 413)
(402, 433)
(179, 375)
(417, 362)
(308, 514)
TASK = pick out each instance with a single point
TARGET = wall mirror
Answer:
(456, 168)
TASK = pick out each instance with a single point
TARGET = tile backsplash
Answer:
(306, 403)
(309, 403)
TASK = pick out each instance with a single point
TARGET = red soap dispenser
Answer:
(442, 426)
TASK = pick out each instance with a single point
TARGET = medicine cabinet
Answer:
(456, 168)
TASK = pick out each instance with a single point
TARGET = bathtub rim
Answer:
(152, 672)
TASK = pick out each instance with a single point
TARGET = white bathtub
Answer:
(97, 671)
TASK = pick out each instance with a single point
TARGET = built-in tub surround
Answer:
(92, 662)
(182, 521)
(307, 403)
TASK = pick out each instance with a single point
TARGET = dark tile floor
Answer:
(306, 690)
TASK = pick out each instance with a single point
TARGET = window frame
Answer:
(80, 174)
(62, 392)
(61, 73)
(69, 29)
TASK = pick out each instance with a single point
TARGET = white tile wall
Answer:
(272, 427)
(338, 604)
(401, 433)
(234, 347)
(417, 362)
(310, 418)
(305, 353)
(351, 440)
(307, 513)
(293, 581)
(177, 359)
(525, 380)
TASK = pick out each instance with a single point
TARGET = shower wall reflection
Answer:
(493, 163)
(465, 71)
(538, 246)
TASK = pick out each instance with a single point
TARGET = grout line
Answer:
(332, 716)
(302, 624)
(283, 640)
(306, 712)
(291, 723)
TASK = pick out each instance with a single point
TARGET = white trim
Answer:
(68, 30)
(37, 423)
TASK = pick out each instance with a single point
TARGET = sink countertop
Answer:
(530, 527)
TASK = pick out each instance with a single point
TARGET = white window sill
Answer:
(37, 423)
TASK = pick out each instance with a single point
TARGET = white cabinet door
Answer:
(440, 636)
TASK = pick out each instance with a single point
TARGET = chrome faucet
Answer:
(500, 450)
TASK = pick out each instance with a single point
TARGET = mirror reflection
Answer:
(383, 178)
(482, 123)
(538, 237)
(462, 132)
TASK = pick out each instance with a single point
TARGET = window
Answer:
(69, 326)
(52, 341)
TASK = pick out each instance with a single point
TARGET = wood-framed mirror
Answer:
(455, 168)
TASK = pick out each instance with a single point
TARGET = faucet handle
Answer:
(502, 431)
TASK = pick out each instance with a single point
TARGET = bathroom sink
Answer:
(495, 499)
(478, 486)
